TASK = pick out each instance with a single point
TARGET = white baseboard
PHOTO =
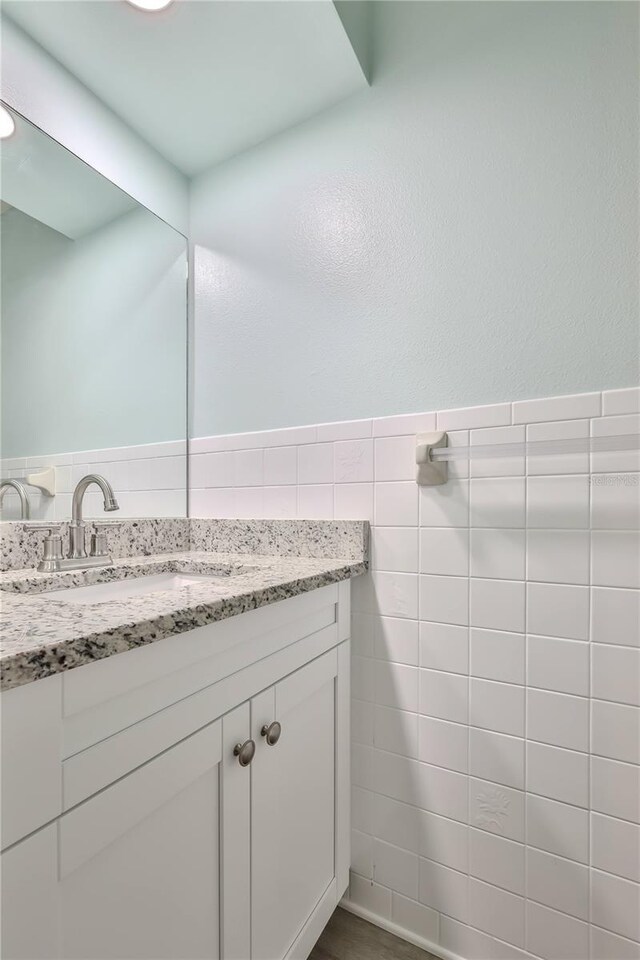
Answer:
(400, 932)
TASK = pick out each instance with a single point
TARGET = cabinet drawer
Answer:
(106, 679)
(94, 768)
(104, 698)
(91, 770)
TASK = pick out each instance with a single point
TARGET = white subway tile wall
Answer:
(149, 481)
(496, 668)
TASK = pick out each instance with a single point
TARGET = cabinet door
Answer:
(139, 863)
(235, 839)
(29, 897)
(292, 805)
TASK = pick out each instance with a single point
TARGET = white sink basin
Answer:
(125, 589)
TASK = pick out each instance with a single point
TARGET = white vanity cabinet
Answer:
(138, 864)
(292, 808)
(165, 845)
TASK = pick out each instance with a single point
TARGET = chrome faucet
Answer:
(77, 537)
(19, 487)
(77, 557)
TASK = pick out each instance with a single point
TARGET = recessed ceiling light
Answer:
(7, 123)
(150, 5)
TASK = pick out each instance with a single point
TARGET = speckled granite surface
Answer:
(284, 538)
(21, 546)
(43, 635)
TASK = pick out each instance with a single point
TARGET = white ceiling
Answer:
(203, 79)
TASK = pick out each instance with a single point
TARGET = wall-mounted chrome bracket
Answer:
(430, 473)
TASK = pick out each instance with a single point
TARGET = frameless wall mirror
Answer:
(94, 329)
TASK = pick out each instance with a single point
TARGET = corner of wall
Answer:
(43, 91)
(355, 16)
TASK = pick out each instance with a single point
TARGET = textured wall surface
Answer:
(465, 231)
(496, 669)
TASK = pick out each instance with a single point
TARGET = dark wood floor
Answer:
(347, 937)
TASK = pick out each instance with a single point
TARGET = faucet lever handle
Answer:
(99, 537)
(53, 528)
(52, 546)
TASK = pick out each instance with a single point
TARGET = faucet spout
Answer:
(77, 544)
(109, 497)
(19, 487)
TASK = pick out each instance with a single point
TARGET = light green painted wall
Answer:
(39, 88)
(356, 18)
(465, 231)
(93, 335)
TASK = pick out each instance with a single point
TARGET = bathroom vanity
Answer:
(188, 797)
(175, 690)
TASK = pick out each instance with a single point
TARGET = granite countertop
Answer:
(43, 636)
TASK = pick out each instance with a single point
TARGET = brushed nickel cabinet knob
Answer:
(271, 732)
(244, 752)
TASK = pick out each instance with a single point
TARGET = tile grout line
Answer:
(526, 697)
(590, 707)
(525, 634)
(469, 652)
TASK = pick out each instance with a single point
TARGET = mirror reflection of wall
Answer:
(93, 335)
